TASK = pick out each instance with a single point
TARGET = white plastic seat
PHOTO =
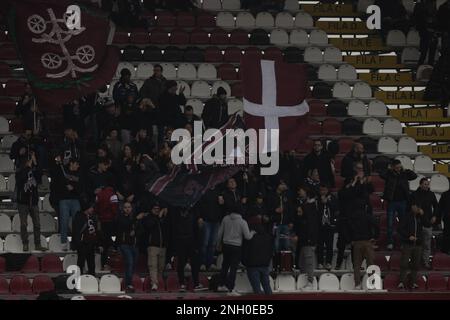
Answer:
(414, 184)
(88, 284)
(6, 164)
(222, 84)
(187, 88)
(111, 88)
(70, 259)
(413, 38)
(342, 90)
(410, 55)
(303, 20)
(407, 145)
(318, 38)
(439, 183)
(423, 164)
(32, 246)
(347, 282)
(377, 108)
(362, 90)
(291, 5)
(356, 108)
(231, 5)
(54, 243)
(48, 223)
(284, 20)
(109, 283)
(3, 186)
(313, 55)
(4, 125)
(328, 282)
(387, 145)
(7, 141)
(235, 105)
(123, 65)
(11, 182)
(46, 206)
(392, 126)
(206, 71)
(406, 162)
(242, 283)
(363, 5)
(200, 89)
(279, 37)
(347, 72)
(197, 106)
(396, 38)
(264, 20)
(285, 283)
(78, 298)
(13, 243)
(327, 72)
(2, 246)
(5, 223)
(169, 71)
(245, 20)
(186, 71)
(332, 54)
(16, 223)
(144, 70)
(299, 37)
(213, 5)
(372, 126)
(225, 20)
(302, 281)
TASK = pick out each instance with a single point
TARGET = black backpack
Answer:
(259, 37)
(352, 127)
(322, 90)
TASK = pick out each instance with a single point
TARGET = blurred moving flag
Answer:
(64, 47)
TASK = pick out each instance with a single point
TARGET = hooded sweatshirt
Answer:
(233, 229)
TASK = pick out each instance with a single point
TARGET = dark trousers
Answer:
(326, 239)
(259, 276)
(428, 44)
(130, 255)
(231, 258)
(362, 250)
(186, 249)
(33, 211)
(415, 254)
(343, 240)
(446, 236)
(108, 231)
(86, 253)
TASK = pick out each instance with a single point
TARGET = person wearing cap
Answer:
(170, 103)
(124, 88)
(215, 112)
(154, 232)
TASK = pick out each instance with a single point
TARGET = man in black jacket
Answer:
(328, 211)
(170, 106)
(410, 231)
(320, 160)
(257, 254)
(444, 216)
(356, 155)
(396, 194)
(424, 199)
(154, 86)
(215, 112)
(231, 199)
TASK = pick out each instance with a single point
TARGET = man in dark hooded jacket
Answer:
(215, 112)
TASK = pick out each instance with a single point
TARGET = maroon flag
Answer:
(274, 98)
(64, 48)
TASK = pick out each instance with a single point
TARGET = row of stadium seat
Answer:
(264, 20)
(47, 222)
(13, 243)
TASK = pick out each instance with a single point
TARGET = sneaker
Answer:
(26, 247)
(40, 248)
(320, 266)
(200, 287)
(358, 287)
(390, 247)
(234, 293)
(222, 289)
(415, 286)
(401, 286)
(328, 266)
(154, 287)
(129, 289)
(308, 286)
(182, 288)
(202, 267)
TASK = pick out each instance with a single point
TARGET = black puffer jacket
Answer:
(411, 225)
(394, 180)
(426, 200)
(126, 230)
(306, 226)
(154, 231)
(362, 223)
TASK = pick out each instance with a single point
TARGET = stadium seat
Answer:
(410, 56)
(5, 223)
(125, 65)
(194, 54)
(46, 206)
(414, 184)
(377, 108)
(239, 37)
(392, 127)
(8, 106)
(51, 264)
(380, 261)
(424, 73)
(206, 20)
(441, 262)
(342, 90)
(394, 261)
(8, 52)
(328, 282)
(337, 108)
(423, 164)
(396, 38)
(345, 145)
(144, 70)
(173, 54)
(407, 145)
(232, 54)
(362, 90)
(16, 223)
(197, 106)
(4, 286)
(236, 90)
(302, 281)
(245, 20)
(69, 260)
(186, 71)
(199, 37)
(299, 37)
(231, 5)
(152, 53)
(439, 183)
(406, 162)
(207, 71)
(413, 38)
(318, 38)
(54, 243)
(227, 72)
(121, 37)
(436, 282)
(4, 125)
(327, 72)
(331, 127)
(13, 243)
(5, 70)
(159, 37)
(222, 84)
(317, 108)
(20, 285)
(273, 53)
(31, 265)
(347, 72)
(356, 108)
(284, 20)
(322, 90)
(279, 37)
(32, 245)
(6, 164)
(225, 20)
(291, 5)
(242, 284)
(186, 20)
(139, 36)
(165, 19)
(372, 126)
(285, 283)
(48, 223)
(314, 127)
(332, 55)
(132, 53)
(293, 55)
(235, 105)
(391, 281)
(303, 20)
(42, 283)
(387, 145)
(259, 37)
(169, 71)
(3, 186)
(212, 5)
(313, 55)
(347, 282)
(109, 283)
(264, 20)
(89, 284)
(187, 88)
(200, 89)
(375, 201)
(213, 54)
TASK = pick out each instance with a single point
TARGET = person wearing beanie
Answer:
(170, 103)
(215, 112)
